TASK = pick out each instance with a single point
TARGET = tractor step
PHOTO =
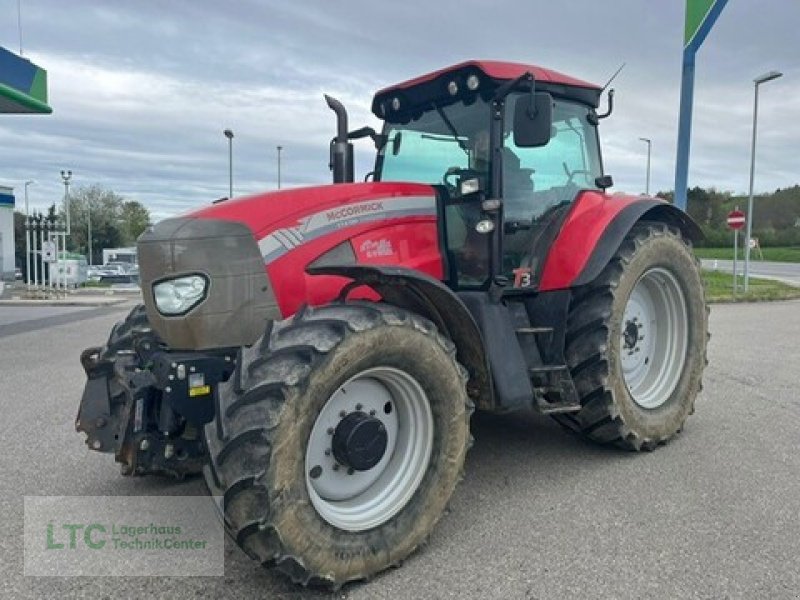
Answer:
(547, 369)
(534, 330)
(553, 408)
(554, 381)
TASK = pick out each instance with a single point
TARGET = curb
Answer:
(87, 302)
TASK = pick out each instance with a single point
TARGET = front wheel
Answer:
(339, 441)
(636, 342)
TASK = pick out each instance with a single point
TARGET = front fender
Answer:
(430, 298)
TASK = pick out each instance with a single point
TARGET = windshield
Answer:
(440, 139)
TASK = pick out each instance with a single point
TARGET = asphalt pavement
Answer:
(541, 514)
(782, 271)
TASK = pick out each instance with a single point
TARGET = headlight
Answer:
(179, 295)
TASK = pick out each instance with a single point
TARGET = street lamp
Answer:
(89, 228)
(769, 76)
(279, 166)
(27, 183)
(229, 134)
(66, 176)
(647, 186)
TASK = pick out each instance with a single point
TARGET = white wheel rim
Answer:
(654, 336)
(358, 500)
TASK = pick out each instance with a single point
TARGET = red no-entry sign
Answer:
(736, 219)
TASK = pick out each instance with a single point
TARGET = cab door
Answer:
(540, 184)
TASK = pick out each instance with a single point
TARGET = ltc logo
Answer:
(89, 536)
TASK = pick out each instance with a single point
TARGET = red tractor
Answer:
(318, 352)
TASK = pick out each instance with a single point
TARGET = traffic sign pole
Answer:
(735, 257)
(736, 220)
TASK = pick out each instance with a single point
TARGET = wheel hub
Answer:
(654, 338)
(631, 335)
(369, 448)
(359, 441)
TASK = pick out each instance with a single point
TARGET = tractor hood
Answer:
(246, 258)
(331, 205)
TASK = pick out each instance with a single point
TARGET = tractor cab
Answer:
(508, 146)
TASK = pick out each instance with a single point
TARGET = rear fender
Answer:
(595, 229)
(430, 298)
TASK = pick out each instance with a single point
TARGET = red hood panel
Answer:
(265, 212)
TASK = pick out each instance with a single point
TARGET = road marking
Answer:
(29, 325)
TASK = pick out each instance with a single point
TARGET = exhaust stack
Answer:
(341, 158)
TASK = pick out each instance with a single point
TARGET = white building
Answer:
(6, 233)
(126, 255)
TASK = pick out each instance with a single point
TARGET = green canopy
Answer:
(23, 85)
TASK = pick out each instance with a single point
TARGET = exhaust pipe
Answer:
(341, 157)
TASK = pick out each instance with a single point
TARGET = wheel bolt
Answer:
(342, 414)
(315, 472)
(372, 413)
(330, 430)
(335, 466)
(359, 406)
(328, 452)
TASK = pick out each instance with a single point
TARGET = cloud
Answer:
(142, 91)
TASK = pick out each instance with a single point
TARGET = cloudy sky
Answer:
(141, 90)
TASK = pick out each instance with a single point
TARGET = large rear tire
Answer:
(296, 493)
(636, 342)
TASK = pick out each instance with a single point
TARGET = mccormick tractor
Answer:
(318, 352)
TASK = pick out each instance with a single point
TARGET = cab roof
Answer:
(496, 72)
(501, 71)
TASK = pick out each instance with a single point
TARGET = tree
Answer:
(115, 221)
(135, 219)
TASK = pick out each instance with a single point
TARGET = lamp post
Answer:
(229, 134)
(27, 183)
(769, 76)
(279, 166)
(66, 176)
(647, 185)
(89, 229)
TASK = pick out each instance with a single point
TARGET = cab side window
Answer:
(539, 178)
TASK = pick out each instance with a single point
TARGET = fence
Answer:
(45, 242)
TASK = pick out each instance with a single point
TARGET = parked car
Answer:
(94, 273)
(122, 268)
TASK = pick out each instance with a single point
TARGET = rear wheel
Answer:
(339, 441)
(636, 342)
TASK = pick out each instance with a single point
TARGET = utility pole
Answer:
(27, 183)
(89, 227)
(647, 185)
(66, 176)
(756, 82)
(279, 166)
(229, 134)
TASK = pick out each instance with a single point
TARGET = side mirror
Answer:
(533, 119)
